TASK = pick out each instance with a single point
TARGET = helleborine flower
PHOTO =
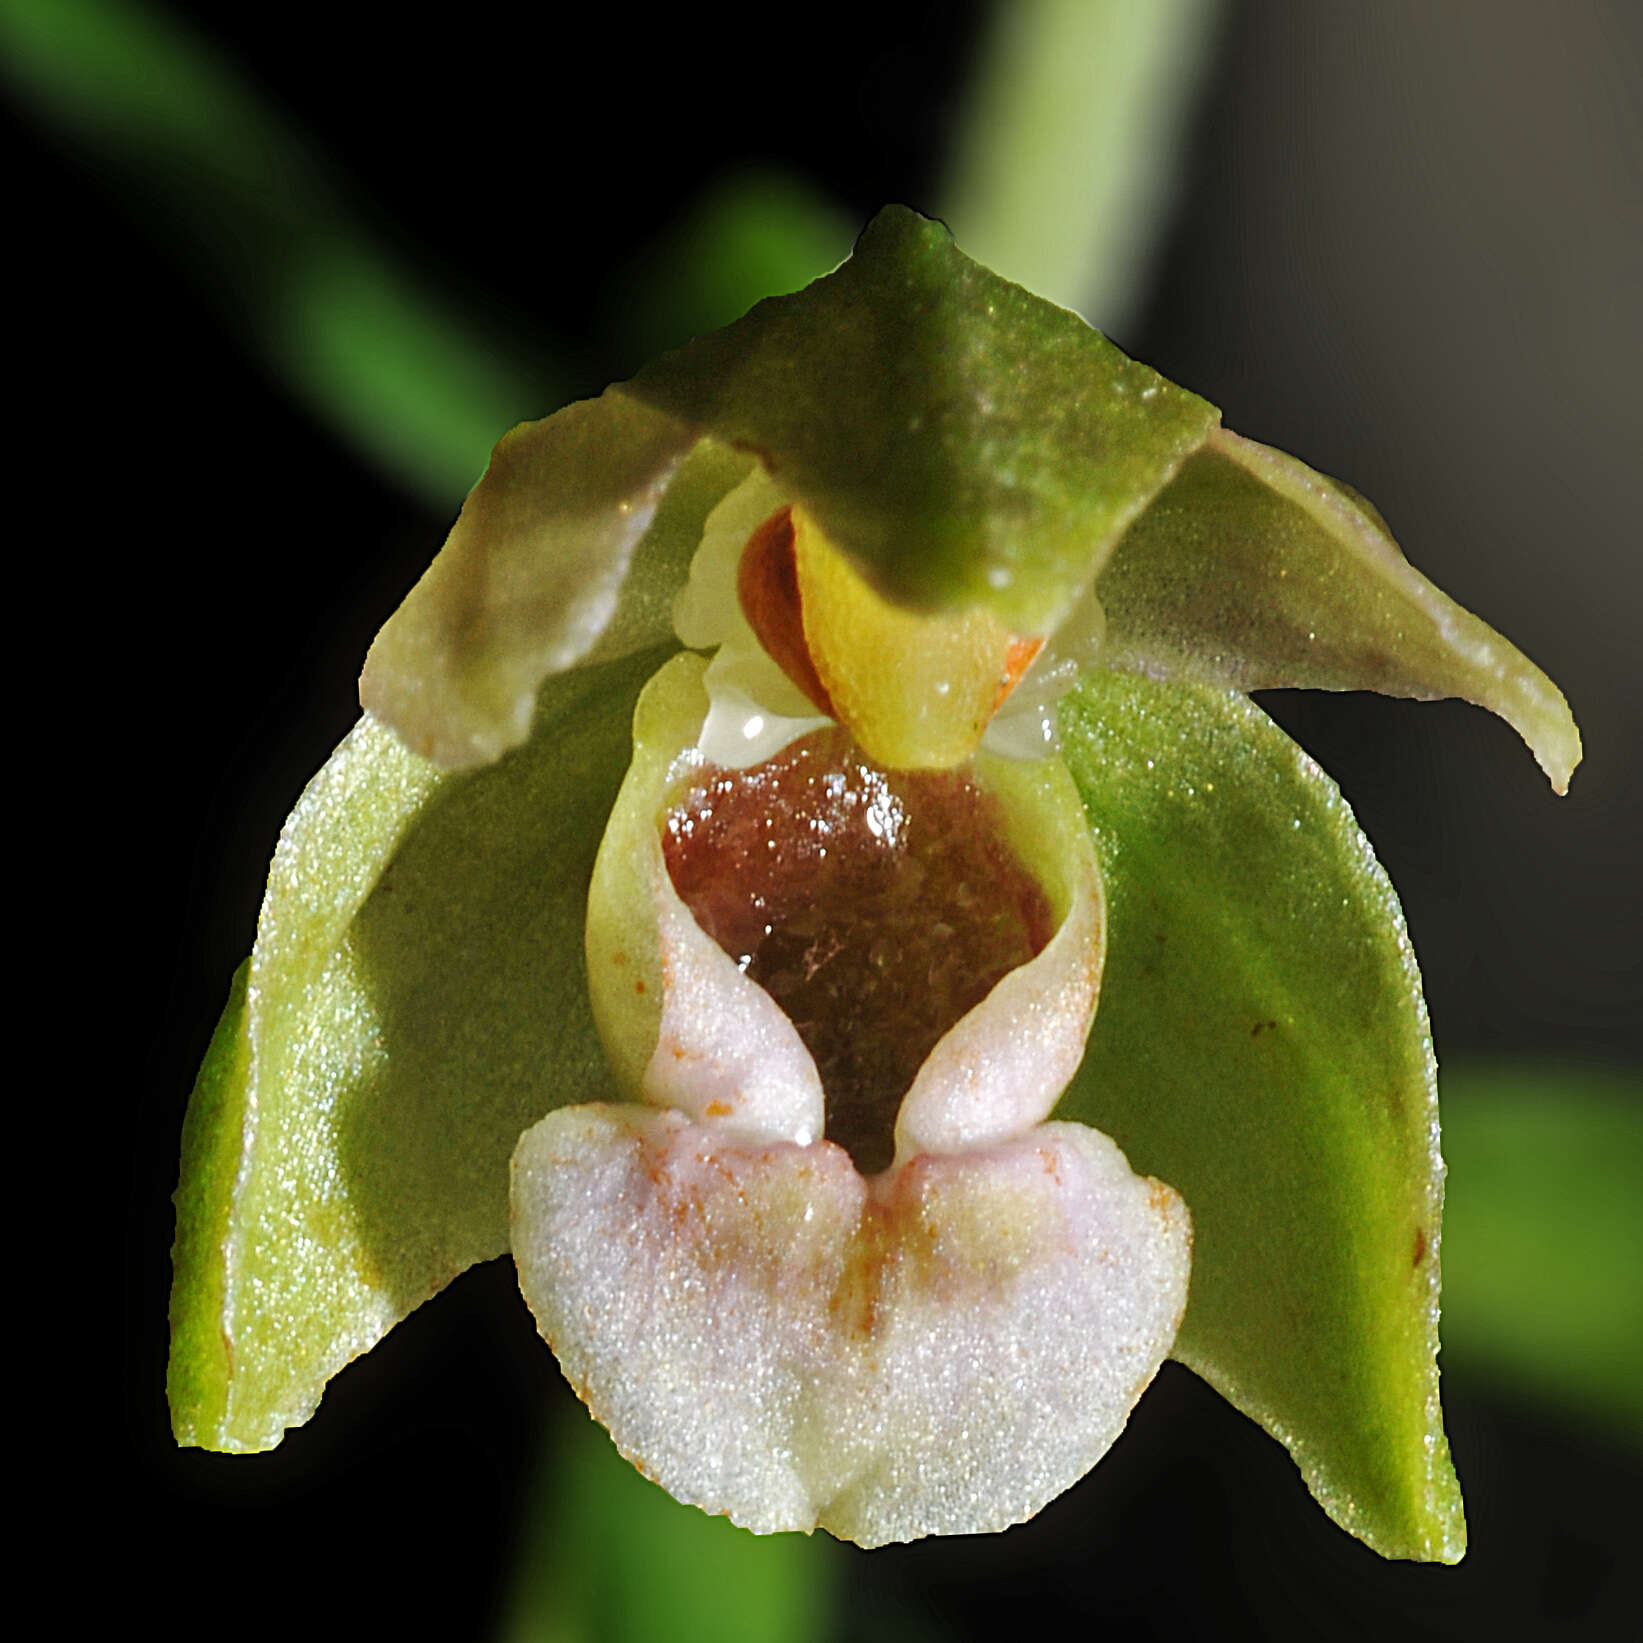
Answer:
(1006, 588)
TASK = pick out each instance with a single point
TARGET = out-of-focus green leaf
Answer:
(413, 384)
(967, 442)
(1251, 570)
(252, 217)
(610, 1558)
(748, 236)
(1065, 162)
(416, 998)
(1543, 1234)
(1262, 1046)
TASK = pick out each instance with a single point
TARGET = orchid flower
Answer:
(967, 997)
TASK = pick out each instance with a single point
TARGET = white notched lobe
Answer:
(943, 1350)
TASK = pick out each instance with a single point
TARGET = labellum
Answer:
(836, 1269)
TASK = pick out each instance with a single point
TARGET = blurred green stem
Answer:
(607, 1557)
(252, 217)
(1066, 162)
(1543, 1236)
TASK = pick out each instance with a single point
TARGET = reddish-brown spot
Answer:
(717, 1109)
(767, 584)
(856, 1306)
(876, 907)
(1420, 1245)
(638, 986)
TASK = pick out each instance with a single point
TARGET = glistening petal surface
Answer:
(415, 1000)
(1262, 1045)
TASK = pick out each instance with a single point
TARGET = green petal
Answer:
(566, 550)
(1262, 1046)
(967, 442)
(1249, 569)
(415, 1000)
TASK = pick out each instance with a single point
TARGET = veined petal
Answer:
(1263, 1045)
(413, 1002)
(1249, 569)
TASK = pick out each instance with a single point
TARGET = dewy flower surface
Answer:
(954, 554)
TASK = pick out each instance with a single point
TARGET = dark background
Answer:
(1408, 248)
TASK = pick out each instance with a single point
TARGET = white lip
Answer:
(941, 1351)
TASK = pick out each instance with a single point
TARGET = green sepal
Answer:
(568, 550)
(198, 1373)
(968, 446)
(1251, 570)
(1262, 1046)
(966, 442)
(415, 1000)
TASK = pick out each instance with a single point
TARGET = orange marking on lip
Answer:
(1017, 659)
